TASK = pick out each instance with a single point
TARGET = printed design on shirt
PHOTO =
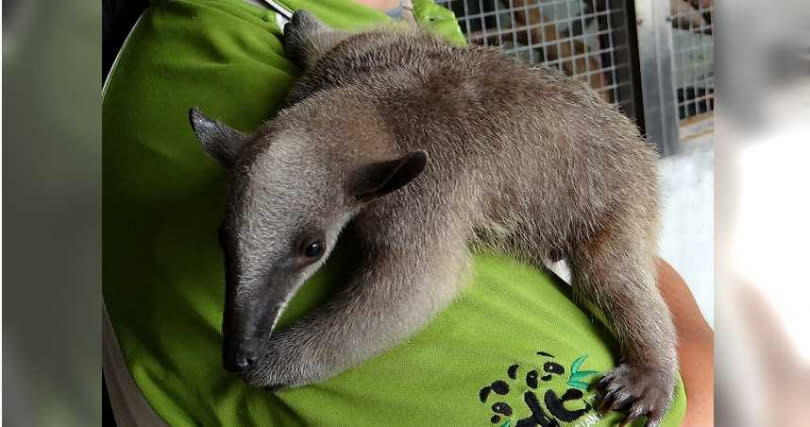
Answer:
(544, 394)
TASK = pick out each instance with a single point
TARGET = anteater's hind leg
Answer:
(615, 270)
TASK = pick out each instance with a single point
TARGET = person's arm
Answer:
(382, 5)
(695, 346)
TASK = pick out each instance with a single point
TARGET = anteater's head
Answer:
(294, 184)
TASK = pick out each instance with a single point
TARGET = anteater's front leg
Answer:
(616, 271)
(398, 287)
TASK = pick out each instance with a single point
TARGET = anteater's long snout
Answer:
(247, 325)
(244, 332)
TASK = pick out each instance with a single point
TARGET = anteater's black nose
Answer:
(242, 362)
(239, 357)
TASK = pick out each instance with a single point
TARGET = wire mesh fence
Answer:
(584, 39)
(693, 55)
(591, 40)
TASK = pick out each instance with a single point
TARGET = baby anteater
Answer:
(418, 150)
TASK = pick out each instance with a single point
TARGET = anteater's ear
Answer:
(380, 178)
(218, 140)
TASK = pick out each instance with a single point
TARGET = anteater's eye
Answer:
(313, 249)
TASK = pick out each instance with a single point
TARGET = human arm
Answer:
(695, 346)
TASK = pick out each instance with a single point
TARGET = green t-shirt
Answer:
(513, 334)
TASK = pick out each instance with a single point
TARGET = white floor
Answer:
(687, 235)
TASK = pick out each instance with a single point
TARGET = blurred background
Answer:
(761, 233)
(733, 177)
(51, 213)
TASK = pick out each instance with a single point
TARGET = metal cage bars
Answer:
(618, 47)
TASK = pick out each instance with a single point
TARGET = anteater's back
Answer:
(520, 139)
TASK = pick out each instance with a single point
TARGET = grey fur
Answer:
(524, 160)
